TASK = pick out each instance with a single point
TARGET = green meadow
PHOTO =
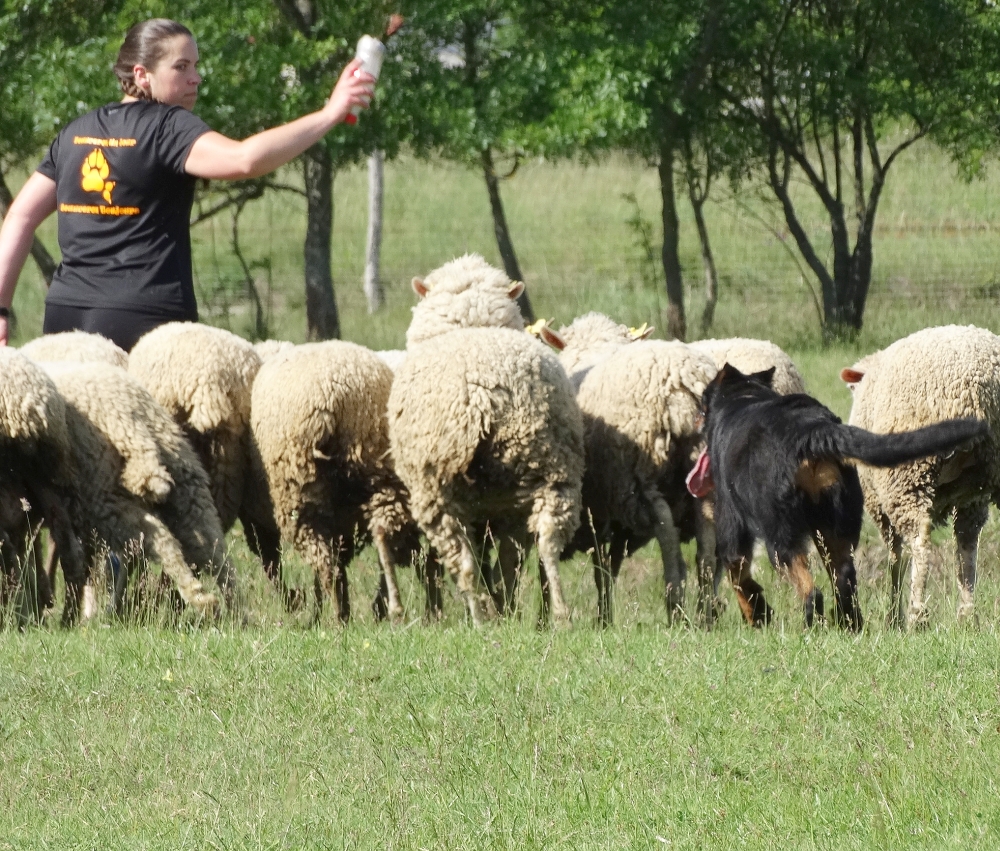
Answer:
(280, 733)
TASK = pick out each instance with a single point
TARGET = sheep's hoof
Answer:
(203, 603)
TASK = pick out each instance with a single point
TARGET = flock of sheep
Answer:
(461, 452)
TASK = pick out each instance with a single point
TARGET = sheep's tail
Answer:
(887, 450)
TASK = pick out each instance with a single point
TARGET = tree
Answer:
(495, 80)
(66, 37)
(837, 90)
(640, 83)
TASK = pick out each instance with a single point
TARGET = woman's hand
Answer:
(354, 88)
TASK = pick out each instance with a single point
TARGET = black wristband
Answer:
(4, 312)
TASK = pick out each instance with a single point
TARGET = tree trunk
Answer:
(676, 323)
(321, 306)
(708, 261)
(46, 265)
(510, 264)
(374, 292)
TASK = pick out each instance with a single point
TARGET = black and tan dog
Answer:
(782, 471)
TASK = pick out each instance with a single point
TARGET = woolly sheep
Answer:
(203, 377)
(319, 423)
(35, 477)
(640, 402)
(392, 358)
(750, 356)
(140, 490)
(75, 347)
(267, 349)
(929, 376)
(485, 432)
(455, 296)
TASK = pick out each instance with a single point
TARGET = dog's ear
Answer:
(764, 377)
(728, 373)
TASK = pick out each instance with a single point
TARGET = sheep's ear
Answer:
(516, 288)
(850, 376)
(640, 333)
(552, 338)
(419, 287)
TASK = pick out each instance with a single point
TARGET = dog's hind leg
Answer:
(838, 556)
(749, 594)
(797, 570)
(969, 522)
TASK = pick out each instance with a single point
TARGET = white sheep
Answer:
(36, 478)
(203, 377)
(319, 423)
(485, 432)
(75, 347)
(139, 488)
(929, 376)
(750, 356)
(640, 401)
(267, 349)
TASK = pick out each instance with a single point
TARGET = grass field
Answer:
(284, 735)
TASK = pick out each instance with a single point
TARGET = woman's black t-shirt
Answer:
(124, 204)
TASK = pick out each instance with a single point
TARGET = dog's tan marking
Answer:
(814, 477)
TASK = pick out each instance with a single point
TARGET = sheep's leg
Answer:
(448, 536)
(920, 547)
(550, 546)
(510, 560)
(394, 607)
(67, 545)
(264, 541)
(749, 593)
(969, 522)
(46, 594)
(606, 570)
(166, 549)
(670, 553)
(894, 541)
(431, 574)
(710, 569)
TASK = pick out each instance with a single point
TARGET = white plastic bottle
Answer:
(371, 52)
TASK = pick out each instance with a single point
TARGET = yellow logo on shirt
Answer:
(95, 174)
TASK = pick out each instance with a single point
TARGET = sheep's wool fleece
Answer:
(649, 392)
(76, 347)
(589, 340)
(750, 356)
(328, 398)
(200, 374)
(932, 375)
(147, 442)
(492, 387)
(31, 409)
(929, 376)
(465, 293)
(269, 348)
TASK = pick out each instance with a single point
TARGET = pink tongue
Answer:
(699, 480)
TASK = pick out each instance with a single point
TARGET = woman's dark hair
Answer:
(144, 45)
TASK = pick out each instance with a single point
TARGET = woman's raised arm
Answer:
(218, 157)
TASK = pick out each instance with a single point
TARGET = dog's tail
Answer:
(887, 450)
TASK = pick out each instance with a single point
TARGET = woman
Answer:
(123, 177)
